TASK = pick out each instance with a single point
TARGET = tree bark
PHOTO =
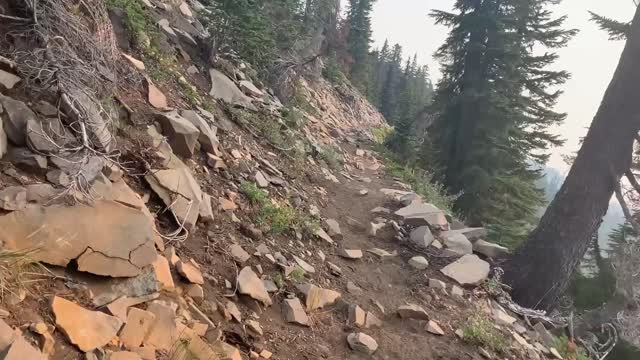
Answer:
(539, 272)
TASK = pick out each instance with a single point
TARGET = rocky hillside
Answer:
(157, 203)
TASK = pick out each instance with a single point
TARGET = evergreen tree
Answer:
(359, 40)
(494, 108)
(391, 86)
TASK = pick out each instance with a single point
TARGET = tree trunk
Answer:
(539, 272)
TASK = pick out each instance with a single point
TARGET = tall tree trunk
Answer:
(539, 273)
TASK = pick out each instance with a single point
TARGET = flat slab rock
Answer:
(107, 238)
(249, 284)
(86, 329)
(468, 270)
(412, 311)
(317, 297)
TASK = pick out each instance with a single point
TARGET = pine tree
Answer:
(391, 85)
(494, 109)
(359, 40)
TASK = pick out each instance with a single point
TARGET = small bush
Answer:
(297, 275)
(293, 117)
(255, 195)
(331, 156)
(332, 72)
(136, 19)
(382, 134)
(278, 219)
(278, 280)
(480, 331)
(267, 125)
(423, 184)
(562, 345)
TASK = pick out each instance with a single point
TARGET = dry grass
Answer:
(18, 271)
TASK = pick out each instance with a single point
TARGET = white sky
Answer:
(590, 56)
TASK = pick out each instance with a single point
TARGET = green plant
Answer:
(279, 280)
(297, 275)
(330, 156)
(255, 195)
(267, 125)
(189, 92)
(562, 345)
(293, 117)
(136, 19)
(332, 72)
(278, 219)
(381, 134)
(421, 181)
(479, 330)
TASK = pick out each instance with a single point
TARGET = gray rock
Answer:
(97, 129)
(3, 138)
(294, 312)
(437, 284)
(24, 159)
(208, 138)
(58, 177)
(8, 80)
(179, 190)
(419, 214)
(468, 270)
(491, 250)
(45, 136)
(225, 89)
(473, 234)
(40, 193)
(456, 242)
(410, 198)
(362, 342)
(304, 265)
(334, 269)
(206, 209)
(260, 179)
(13, 198)
(182, 134)
(421, 236)
(412, 311)
(457, 291)
(15, 118)
(419, 262)
(375, 227)
(250, 89)
(544, 335)
(333, 229)
(45, 109)
(380, 210)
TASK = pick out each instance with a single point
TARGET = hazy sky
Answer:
(590, 56)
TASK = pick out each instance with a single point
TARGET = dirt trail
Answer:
(390, 281)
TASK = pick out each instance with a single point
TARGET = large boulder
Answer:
(456, 242)
(490, 250)
(182, 134)
(468, 270)
(225, 89)
(208, 135)
(179, 191)
(420, 214)
(421, 236)
(107, 238)
(473, 234)
(15, 117)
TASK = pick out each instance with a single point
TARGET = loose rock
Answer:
(333, 229)
(316, 297)
(182, 134)
(137, 327)
(190, 271)
(491, 250)
(294, 312)
(412, 311)
(419, 262)
(357, 316)
(362, 342)
(421, 236)
(238, 253)
(352, 254)
(456, 242)
(86, 329)
(434, 328)
(468, 270)
(249, 284)
(13, 198)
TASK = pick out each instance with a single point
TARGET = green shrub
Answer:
(382, 134)
(422, 183)
(331, 157)
(255, 195)
(332, 72)
(297, 275)
(137, 20)
(562, 345)
(480, 331)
